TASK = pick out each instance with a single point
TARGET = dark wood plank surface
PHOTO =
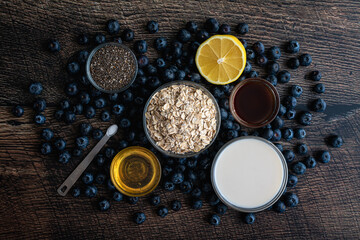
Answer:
(30, 208)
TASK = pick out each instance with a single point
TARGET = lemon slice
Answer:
(221, 59)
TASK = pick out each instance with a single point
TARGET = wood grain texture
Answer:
(30, 207)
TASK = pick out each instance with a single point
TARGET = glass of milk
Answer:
(249, 174)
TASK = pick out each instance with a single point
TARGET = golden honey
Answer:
(135, 171)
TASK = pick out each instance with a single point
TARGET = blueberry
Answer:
(168, 75)
(177, 178)
(282, 110)
(276, 135)
(298, 168)
(292, 47)
(45, 148)
(253, 74)
(279, 207)
(305, 118)
(258, 48)
(64, 157)
(183, 35)
(100, 159)
(315, 75)
(221, 209)
(35, 88)
(100, 103)
(59, 114)
(127, 96)
(84, 98)
(293, 63)
(97, 134)
(125, 123)
(279, 146)
(224, 103)
(287, 134)
(289, 102)
(225, 29)
(318, 105)
(83, 39)
(305, 59)
(213, 200)
(249, 218)
(273, 67)
(243, 133)
(73, 68)
(284, 76)
(17, 111)
(160, 43)
(247, 68)
(105, 116)
(242, 28)
(139, 217)
(53, 45)
(104, 205)
(288, 155)
(319, 88)
(180, 75)
(290, 114)
(39, 105)
(82, 142)
(299, 133)
(47, 134)
(85, 129)
(152, 26)
(127, 35)
(195, 77)
(292, 180)
(197, 204)
(143, 61)
(109, 152)
(60, 144)
(78, 109)
(76, 192)
(196, 193)
(277, 123)
(243, 42)
(296, 90)
(82, 56)
(175, 205)
(117, 196)
(261, 60)
(291, 200)
(310, 162)
(215, 220)
(118, 40)
(218, 93)
(227, 124)
(274, 53)
(118, 109)
(64, 104)
(69, 117)
(336, 141)
(99, 38)
(250, 54)
(95, 92)
(302, 149)
(90, 112)
(211, 25)
(162, 211)
(155, 200)
(123, 144)
(206, 188)
(130, 136)
(39, 119)
(267, 134)
(193, 46)
(324, 156)
(140, 46)
(113, 27)
(110, 186)
(169, 186)
(88, 178)
(236, 126)
(185, 187)
(191, 26)
(77, 152)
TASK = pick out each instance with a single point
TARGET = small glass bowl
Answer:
(88, 63)
(190, 84)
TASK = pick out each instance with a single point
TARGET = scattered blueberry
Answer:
(160, 43)
(273, 68)
(290, 114)
(277, 123)
(73, 68)
(215, 220)
(221, 209)
(283, 76)
(292, 47)
(310, 162)
(293, 63)
(169, 186)
(287, 134)
(78, 109)
(88, 178)
(282, 110)
(291, 200)
(324, 156)
(267, 133)
(35, 88)
(83, 39)
(77, 152)
(162, 211)
(296, 90)
(127, 35)
(279, 207)
(298, 168)
(305, 118)
(288, 155)
(274, 53)
(292, 180)
(305, 59)
(261, 60)
(76, 192)
(279, 146)
(176, 205)
(336, 141)
(105, 116)
(47, 134)
(197, 204)
(117, 196)
(183, 35)
(143, 61)
(152, 26)
(110, 186)
(104, 205)
(64, 157)
(59, 114)
(84, 98)
(139, 217)
(276, 135)
(250, 54)
(242, 28)
(113, 27)
(225, 29)
(100, 179)
(212, 25)
(54, 45)
(82, 56)
(299, 133)
(99, 38)
(45, 148)
(319, 88)
(289, 102)
(69, 117)
(82, 142)
(302, 149)
(90, 112)
(97, 134)
(18, 111)
(39, 119)
(258, 48)
(140, 46)
(318, 105)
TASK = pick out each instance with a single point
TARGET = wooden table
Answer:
(30, 207)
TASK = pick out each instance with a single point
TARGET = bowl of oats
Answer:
(181, 119)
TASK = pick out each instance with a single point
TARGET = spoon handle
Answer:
(74, 176)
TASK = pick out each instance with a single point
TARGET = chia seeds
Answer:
(113, 67)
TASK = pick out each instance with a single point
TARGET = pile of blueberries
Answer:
(175, 62)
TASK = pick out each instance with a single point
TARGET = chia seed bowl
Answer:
(217, 117)
(111, 67)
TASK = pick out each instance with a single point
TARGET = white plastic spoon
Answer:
(74, 176)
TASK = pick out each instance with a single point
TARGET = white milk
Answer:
(248, 173)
